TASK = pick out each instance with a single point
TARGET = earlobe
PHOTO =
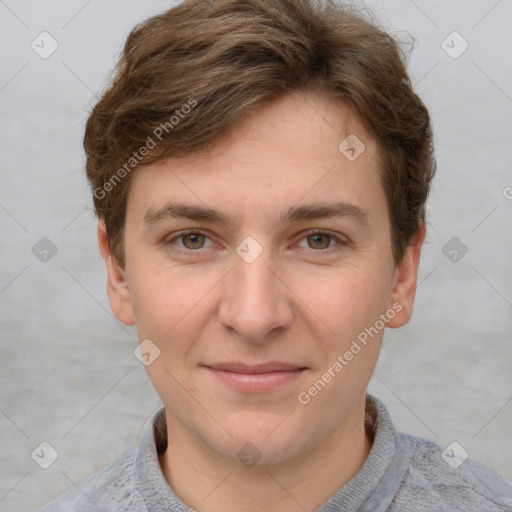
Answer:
(117, 286)
(405, 282)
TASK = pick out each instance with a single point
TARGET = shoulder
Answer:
(450, 482)
(115, 487)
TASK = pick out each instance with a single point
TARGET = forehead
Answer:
(302, 148)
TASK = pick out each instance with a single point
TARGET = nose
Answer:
(254, 302)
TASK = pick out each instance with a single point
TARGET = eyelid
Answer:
(342, 241)
(170, 239)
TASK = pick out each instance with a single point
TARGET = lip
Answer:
(258, 378)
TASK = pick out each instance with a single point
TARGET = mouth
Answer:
(258, 378)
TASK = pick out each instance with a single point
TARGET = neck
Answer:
(211, 483)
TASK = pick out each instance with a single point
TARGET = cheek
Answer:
(170, 304)
(345, 300)
(154, 304)
(350, 303)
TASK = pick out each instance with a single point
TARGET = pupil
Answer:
(320, 240)
(193, 240)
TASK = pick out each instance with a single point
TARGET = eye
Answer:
(191, 240)
(320, 240)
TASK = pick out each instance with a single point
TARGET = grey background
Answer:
(68, 374)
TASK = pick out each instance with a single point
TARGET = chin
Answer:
(262, 439)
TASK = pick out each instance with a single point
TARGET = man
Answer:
(260, 171)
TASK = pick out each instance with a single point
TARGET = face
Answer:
(262, 269)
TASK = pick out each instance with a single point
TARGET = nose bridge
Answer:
(253, 281)
(251, 267)
(253, 302)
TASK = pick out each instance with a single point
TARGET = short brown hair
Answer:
(187, 75)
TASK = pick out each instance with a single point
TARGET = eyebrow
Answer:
(294, 214)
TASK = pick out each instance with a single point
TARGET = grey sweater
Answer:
(402, 473)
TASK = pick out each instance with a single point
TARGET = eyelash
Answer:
(340, 243)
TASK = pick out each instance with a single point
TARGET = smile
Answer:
(256, 378)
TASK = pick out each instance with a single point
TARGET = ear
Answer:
(117, 286)
(404, 284)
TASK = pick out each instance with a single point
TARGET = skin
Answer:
(303, 301)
